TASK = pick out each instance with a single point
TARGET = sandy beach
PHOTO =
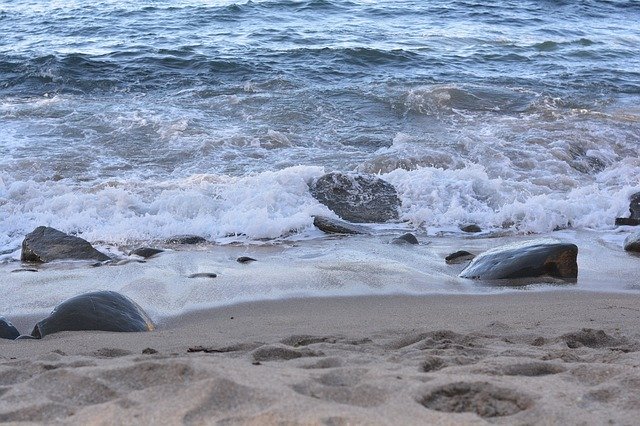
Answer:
(555, 357)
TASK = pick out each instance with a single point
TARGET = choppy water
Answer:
(129, 120)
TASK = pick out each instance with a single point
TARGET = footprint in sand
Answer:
(281, 353)
(222, 396)
(482, 398)
(343, 386)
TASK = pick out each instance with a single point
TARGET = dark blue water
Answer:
(130, 119)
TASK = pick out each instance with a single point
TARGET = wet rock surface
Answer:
(335, 226)
(100, 310)
(145, 252)
(186, 239)
(407, 238)
(459, 256)
(526, 260)
(357, 198)
(46, 244)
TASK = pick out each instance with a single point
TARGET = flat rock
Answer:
(407, 238)
(459, 256)
(145, 252)
(203, 275)
(525, 260)
(632, 242)
(357, 198)
(472, 228)
(99, 310)
(45, 244)
(335, 226)
(8, 330)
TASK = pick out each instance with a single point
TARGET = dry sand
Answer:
(555, 357)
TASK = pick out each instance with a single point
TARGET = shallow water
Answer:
(128, 121)
(339, 266)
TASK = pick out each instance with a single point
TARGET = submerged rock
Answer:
(459, 256)
(407, 238)
(100, 310)
(335, 226)
(357, 198)
(204, 275)
(7, 330)
(632, 242)
(45, 244)
(186, 239)
(145, 252)
(526, 260)
(472, 228)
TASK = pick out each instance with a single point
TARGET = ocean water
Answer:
(132, 121)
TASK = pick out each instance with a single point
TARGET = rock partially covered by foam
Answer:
(357, 198)
(526, 260)
(634, 212)
(7, 330)
(100, 310)
(45, 244)
(632, 242)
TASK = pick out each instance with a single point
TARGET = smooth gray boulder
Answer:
(335, 226)
(8, 330)
(632, 242)
(99, 310)
(357, 198)
(45, 244)
(525, 260)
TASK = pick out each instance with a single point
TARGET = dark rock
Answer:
(45, 244)
(186, 239)
(100, 310)
(335, 226)
(145, 252)
(245, 259)
(357, 198)
(459, 257)
(470, 228)
(627, 221)
(634, 206)
(526, 260)
(7, 330)
(632, 242)
(203, 275)
(149, 351)
(407, 238)
(634, 212)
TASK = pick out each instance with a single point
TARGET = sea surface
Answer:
(127, 122)
(137, 120)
